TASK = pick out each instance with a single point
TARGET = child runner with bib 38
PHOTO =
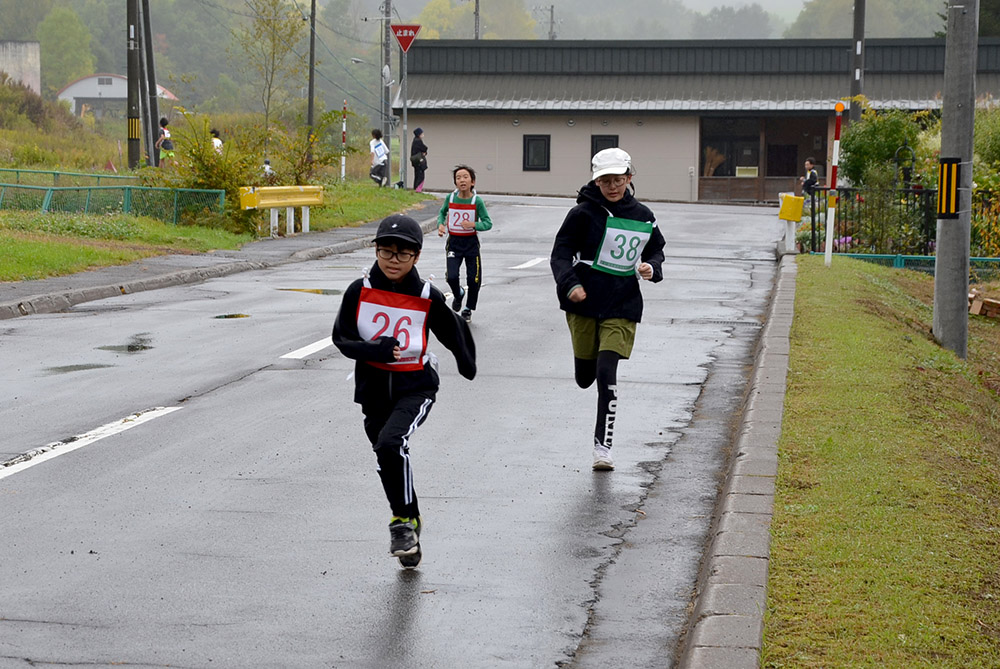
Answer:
(607, 242)
(462, 216)
(383, 325)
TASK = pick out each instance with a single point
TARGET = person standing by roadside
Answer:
(380, 158)
(811, 179)
(606, 243)
(164, 144)
(216, 141)
(418, 158)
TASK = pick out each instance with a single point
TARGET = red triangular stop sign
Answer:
(404, 35)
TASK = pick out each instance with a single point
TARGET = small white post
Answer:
(305, 219)
(274, 222)
(289, 220)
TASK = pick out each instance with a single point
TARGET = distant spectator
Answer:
(164, 144)
(380, 159)
(418, 158)
(216, 141)
(810, 182)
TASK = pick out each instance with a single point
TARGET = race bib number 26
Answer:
(403, 322)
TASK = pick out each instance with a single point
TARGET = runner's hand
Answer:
(578, 294)
(441, 230)
(646, 271)
(396, 353)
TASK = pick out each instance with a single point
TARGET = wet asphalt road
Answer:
(246, 528)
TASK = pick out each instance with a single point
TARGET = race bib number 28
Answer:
(621, 248)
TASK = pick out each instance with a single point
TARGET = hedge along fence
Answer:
(53, 178)
(171, 205)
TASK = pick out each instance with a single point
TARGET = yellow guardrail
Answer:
(267, 197)
(276, 197)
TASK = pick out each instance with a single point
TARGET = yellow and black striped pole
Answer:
(949, 177)
(134, 123)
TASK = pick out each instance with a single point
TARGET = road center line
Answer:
(309, 350)
(530, 263)
(57, 448)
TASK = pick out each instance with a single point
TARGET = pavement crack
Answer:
(224, 384)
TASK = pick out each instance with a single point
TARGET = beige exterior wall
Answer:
(663, 150)
(23, 62)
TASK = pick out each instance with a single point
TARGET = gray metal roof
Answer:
(671, 93)
(703, 76)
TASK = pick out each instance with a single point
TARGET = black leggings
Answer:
(605, 371)
(473, 277)
(389, 429)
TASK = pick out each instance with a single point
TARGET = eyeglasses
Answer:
(615, 181)
(401, 256)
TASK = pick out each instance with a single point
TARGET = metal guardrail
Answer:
(171, 205)
(56, 178)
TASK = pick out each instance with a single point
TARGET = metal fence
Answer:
(876, 221)
(980, 269)
(54, 178)
(171, 205)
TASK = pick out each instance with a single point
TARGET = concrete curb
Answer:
(47, 303)
(727, 625)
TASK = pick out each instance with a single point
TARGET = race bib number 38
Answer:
(403, 317)
(621, 248)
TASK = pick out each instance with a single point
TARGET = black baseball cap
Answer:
(402, 228)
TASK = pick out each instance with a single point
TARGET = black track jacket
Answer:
(608, 296)
(373, 385)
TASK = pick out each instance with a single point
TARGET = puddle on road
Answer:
(315, 291)
(233, 316)
(137, 344)
(66, 369)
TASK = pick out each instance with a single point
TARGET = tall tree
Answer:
(883, 18)
(989, 18)
(269, 42)
(65, 45)
(498, 19)
(19, 19)
(746, 22)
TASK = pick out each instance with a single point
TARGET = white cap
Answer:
(611, 161)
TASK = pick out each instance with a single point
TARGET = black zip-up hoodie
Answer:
(579, 238)
(373, 385)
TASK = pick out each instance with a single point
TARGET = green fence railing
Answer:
(171, 205)
(980, 269)
(54, 178)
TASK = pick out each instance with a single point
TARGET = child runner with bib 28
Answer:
(383, 324)
(463, 215)
(607, 242)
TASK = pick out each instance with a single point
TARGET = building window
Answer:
(103, 81)
(730, 147)
(536, 153)
(601, 142)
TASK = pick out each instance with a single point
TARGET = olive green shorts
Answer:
(591, 335)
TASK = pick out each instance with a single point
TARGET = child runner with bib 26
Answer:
(607, 242)
(463, 215)
(383, 324)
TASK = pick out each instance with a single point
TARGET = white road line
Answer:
(57, 448)
(530, 263)
(309, 350)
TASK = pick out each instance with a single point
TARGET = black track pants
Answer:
(605, 371)
(390, 432)
(473, 276)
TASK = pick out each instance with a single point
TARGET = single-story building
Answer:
(703, 120)
(103, 94)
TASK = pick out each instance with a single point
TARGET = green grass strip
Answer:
(885, 533)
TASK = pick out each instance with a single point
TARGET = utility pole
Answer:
(387, 40)
(477, 19)
(151, 117)
(134, 124)
(858, 61)
(312, 76)
(951, 265)
(552, 21)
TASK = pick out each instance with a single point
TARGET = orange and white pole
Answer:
(831, 205)
(343, 145)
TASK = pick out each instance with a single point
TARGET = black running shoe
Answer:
(403, 536)
(467, 315)
(456, 301)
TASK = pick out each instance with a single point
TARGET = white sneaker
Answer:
(602, 458)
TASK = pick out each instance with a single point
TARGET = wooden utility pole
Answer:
(134, 74)
(857, 61)
(151, 114)
(312, 76)
(387, 41)
(951, 266)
